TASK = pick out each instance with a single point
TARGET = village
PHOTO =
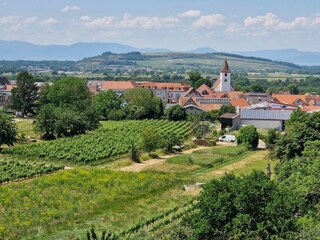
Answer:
(262, 110)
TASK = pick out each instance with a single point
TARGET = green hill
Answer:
(177, 61)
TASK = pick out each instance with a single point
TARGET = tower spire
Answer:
(225, 67)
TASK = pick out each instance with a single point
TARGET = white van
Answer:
(227, 138)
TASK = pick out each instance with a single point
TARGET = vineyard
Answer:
(13, 170)
(148, 227)
(113, 139)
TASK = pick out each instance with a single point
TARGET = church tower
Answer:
(225, 78)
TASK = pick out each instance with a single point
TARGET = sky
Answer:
(224, 25)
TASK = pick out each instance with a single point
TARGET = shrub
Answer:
(248, 136)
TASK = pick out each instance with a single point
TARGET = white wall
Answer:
(264, 124)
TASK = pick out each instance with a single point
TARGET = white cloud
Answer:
(209, 21)
(129, 22)
(271, 21)
(9, 20)
(97, 22)
(147, 22)
(191, 13)
(49, 21)
(31, 20)
(71, 8)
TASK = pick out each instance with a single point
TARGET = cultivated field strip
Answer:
(14, 170)
(113, 139)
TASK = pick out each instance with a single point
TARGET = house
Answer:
(265, 119)
(254, 98)
(169, 92)
(231, 120)
(117, 86)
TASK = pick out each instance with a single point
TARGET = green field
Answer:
(67, 203)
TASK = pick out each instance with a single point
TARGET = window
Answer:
(225, 74)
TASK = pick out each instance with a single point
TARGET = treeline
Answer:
(67, 108)
(310, 84)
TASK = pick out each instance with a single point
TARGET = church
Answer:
(221, 93)
(223, 84)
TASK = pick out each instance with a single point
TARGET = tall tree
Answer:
(24, 96)
(105, 102)
(8, 130)
(141, 104)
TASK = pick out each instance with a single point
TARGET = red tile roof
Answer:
(288, 98)
(118, 85)
(239, 102)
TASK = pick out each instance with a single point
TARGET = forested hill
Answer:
(175, 60)
(164, 62)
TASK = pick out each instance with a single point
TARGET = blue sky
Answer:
(228, 25)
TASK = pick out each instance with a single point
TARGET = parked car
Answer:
(227, 138)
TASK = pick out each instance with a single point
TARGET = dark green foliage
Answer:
(176, 113)
(67, 109)
(248, 136)
(243, 208)
(46, 121)
(117, 115)
(271, 138)
(8, 130)
(301, 127)
(293, 89)
(197, 80)
(134, 152)
(13, 170)
(151, 139)
(142, 104)
(70, 92)
(105, 102)
(226, 109)
(171, 139)
(24, 96)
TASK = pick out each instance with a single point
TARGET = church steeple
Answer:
(225, 67)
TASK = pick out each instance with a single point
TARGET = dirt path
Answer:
(138, 167)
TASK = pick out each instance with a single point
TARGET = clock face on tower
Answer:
(225, 80)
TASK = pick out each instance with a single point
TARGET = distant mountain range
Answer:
(287, 55)
(19, 50)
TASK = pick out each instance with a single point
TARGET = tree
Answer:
(46, 120)
(293, 89)
(194, 77)
(69, 92)
(117, 115)
(197, 80)
(226, 108)
(257, 88)
(248, 136)
(67, 109)
(243, 208)
(201, 81)
(24, 96)
(271, 138)
(170, 140)
(105, 102)
(151, 139)
(176, 113)
(8, 130)
(142, 104)
(301, 127)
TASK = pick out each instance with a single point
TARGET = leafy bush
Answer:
(248, 136)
